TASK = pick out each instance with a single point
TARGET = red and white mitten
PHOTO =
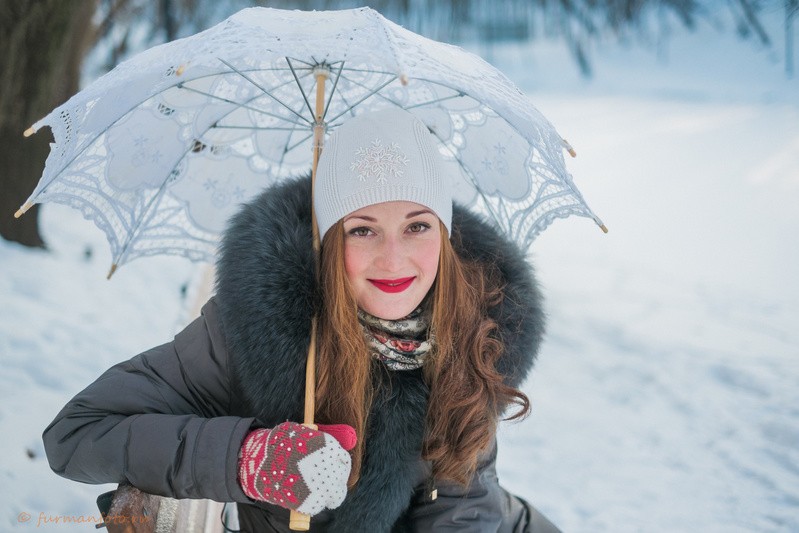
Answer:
(297, 467)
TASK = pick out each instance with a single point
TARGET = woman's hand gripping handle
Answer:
(297, 467)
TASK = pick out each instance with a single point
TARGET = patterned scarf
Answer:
(400, 344)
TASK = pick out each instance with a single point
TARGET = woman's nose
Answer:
(390, 253)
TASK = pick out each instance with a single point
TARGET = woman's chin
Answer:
(391, 308)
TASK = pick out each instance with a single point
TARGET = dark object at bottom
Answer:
(128, 510)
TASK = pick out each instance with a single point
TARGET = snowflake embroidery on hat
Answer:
(379, 162)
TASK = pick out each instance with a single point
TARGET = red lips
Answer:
(392, 285)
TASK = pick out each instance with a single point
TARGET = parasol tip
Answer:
(403, 79)
(22, 210)
(599, 223)
(111, 272)
(569, 148)
(28, 132)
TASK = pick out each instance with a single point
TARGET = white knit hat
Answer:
(383, 156)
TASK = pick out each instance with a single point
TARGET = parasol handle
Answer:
(300, 521)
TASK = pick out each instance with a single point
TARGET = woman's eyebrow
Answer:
(417, 213)
(363, 217)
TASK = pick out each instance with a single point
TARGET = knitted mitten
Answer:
(297, 467)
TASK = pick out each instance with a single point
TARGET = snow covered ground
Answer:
(666, 397)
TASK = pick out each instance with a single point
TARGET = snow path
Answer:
(666, 395)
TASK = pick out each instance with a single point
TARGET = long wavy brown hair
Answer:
(467, 394)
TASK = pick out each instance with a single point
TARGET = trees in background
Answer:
(578, 23)
(42, 44)
(791, 13)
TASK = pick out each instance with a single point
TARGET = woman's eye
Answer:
(418, 227)
(359, 232)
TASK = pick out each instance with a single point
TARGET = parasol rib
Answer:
(147, 213)
(372, 92)
(254, 128)
(299, 86)
(458, 93)
(240, 105)
(367, 71)
(437, 100)
(266, 92)
(364, 98)
(295, 145)
(333, 90)
(287, 148)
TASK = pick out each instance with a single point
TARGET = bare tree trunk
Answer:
(791, 9)
(750, 14)
(42, 43)
(168, 19)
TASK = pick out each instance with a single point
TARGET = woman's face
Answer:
(391, 254)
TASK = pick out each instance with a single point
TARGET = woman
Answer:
(422, 342)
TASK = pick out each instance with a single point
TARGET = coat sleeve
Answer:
(158, 421)
(481, 506)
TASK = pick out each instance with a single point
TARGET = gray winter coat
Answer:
(171, 420)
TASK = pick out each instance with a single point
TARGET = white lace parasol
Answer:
(160, 151)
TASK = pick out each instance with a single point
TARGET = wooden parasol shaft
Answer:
(299, 521)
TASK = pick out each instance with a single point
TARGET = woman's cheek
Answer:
(430, 254)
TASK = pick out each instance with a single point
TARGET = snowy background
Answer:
(666, 397)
